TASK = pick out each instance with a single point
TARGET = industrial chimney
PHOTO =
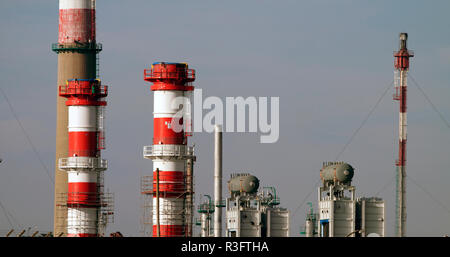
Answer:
(171, 156)
(401, 64)
(77, 59)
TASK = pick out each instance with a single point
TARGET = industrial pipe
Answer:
(218, 180)
(157, 204)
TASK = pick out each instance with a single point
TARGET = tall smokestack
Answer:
(401, 71)
(85, 199)
(172, 83)
(77, 51)
(218, 181)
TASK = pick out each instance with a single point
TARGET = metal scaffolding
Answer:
(175, 190)
(103, 200)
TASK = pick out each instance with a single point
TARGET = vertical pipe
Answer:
(190, 195)
(204, 225)
(363, 218)
(157, 203)
(238, 214)
(331, 222)
(218, 181)
(227, 211)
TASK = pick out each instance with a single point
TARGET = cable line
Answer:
(26, 135)
(430, 102)
(364, 121)
(349, 141)
(429, 194)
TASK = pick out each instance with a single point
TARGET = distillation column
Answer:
(84, 164)
(401, 69)
(172, 88)
(77, 58)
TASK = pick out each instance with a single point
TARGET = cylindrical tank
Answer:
(309, 228)
(342, 172)
(243, 183)
(250, 223)
(279, 222)
(373, 218)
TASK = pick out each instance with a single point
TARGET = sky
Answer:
(329, 62)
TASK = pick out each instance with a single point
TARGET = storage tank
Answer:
(339, 171)
(250, 225)
(309, 228)
(278, 222)
(371, 216)
(336, 218)
(245, 183)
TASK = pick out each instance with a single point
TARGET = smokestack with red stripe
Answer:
(84, 164)
(77, 51)
(401, 70)
(169, 152)
(76, 21)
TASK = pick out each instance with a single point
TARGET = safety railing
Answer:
(180, 151)
(182, 74)
(76, 47)
(398, 53)
(166, 186)
(82, 163)
(206, 208)
(79, 89)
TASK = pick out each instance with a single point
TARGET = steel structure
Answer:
(87, 206)
(310, 229)
(340, 213)
(77, 51)
(401, 65)
(172, 157)
(206, 209)
(250, 213)
(336, 200)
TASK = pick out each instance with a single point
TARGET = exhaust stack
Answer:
(218, 181)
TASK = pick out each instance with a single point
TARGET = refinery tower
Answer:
(79, 136)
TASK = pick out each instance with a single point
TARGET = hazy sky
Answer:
(328, 61)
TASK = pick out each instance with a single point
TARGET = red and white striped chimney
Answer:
(76, 21)
(401, 64)
(84, 164)
(169, 152)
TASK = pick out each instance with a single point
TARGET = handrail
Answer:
(82, 162)
(80, 47)
(76, 89)
(179, 74)
(168, 150)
